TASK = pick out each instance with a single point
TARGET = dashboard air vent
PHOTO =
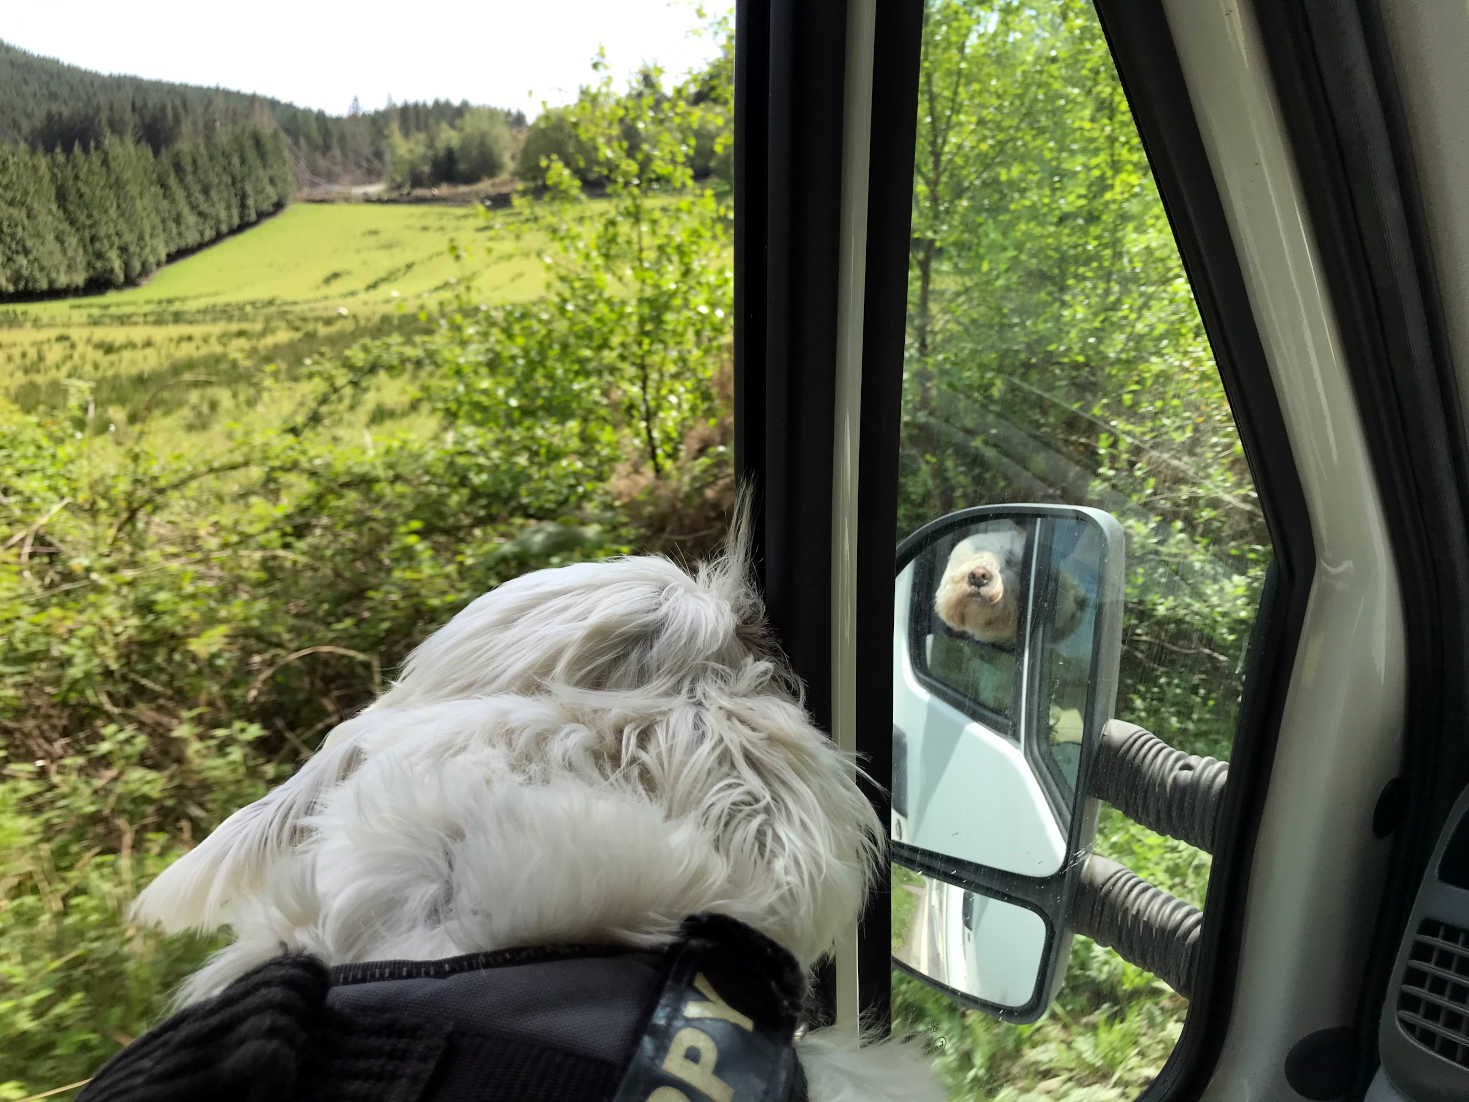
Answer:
(1433, 1002)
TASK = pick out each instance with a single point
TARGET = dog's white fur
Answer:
(585, 754)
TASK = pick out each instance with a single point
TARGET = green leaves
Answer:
(477, 146)
(79, 836)
(1055, 352)
(637, 318)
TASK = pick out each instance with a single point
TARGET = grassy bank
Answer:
(188, 353)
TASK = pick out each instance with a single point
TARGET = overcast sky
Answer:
(509, 54)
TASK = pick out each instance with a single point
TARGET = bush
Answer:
(476, 148)
(175, 644)
(79, 836)
(551, 137)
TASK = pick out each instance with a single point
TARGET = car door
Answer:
(1276, 142)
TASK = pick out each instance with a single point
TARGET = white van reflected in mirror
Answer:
(1007, 636)
(974, 946)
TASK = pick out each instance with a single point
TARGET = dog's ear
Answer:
(196, 891)
(731, 577)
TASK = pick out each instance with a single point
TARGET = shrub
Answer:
(79, 835)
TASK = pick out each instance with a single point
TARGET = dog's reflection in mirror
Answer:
(982, 591)
(979, 594)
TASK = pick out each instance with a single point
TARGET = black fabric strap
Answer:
(376, 971)
(723, 1023)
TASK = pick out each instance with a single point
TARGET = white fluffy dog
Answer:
(585, 754)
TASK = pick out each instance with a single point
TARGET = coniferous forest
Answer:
(110, 214)
(103, 178)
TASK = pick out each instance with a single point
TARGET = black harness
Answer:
(711, 1019)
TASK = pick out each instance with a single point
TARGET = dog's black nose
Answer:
(980, 577)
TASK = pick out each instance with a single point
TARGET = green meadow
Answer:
(320, 256)
(187, 350)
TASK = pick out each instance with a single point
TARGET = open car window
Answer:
(1055, 354)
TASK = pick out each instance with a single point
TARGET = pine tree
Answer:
(276, 157)
(219, 187)
(72, 271)
(238, 147)
(30, 258)
(88, 204)
(187, 165)
(135, 185)
(180, 224)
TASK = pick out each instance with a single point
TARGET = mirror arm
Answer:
(1144, 924)
(1162, 788)
(1173, 793)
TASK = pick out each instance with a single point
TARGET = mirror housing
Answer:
(1006, 646)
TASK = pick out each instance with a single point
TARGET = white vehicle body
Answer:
(973, 783)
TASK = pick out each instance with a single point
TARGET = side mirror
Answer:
(1007, 636)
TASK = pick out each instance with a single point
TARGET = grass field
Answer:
(187, 349)
(319, 257)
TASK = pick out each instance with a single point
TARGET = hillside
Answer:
(188, 350)
(104, 178)
(160, 114)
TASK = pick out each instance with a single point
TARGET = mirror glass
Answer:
(988, 950)
(1001, 676)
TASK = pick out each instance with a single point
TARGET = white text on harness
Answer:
(693, 1054)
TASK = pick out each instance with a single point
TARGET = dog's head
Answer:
(979, 594)
(585, 753)
(638, 625)
(981, 591)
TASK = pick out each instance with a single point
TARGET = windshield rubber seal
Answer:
(1147, 64)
